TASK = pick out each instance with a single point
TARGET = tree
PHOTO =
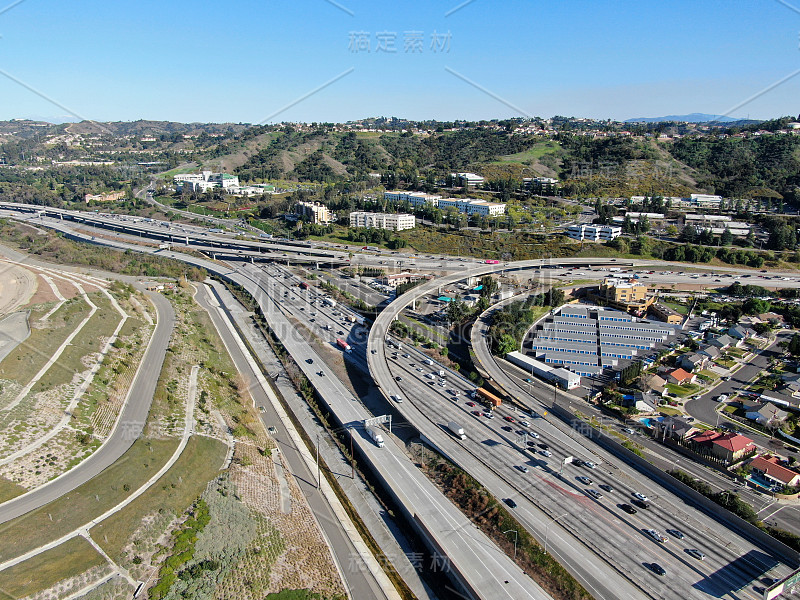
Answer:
(726, 239)
(489, 286)
(688, 234)
(755, 306)
(506, 344)
(794, 345)
(671, 230)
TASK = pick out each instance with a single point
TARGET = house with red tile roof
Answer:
(768, 467)
(727, 447)
(680, 377)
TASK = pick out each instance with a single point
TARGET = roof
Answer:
(770, 466)
(706, 437)
(733, 442)
(771, 411)
(680, 375)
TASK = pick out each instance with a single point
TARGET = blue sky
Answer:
(243, 61)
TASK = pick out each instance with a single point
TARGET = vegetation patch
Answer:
(44, 570)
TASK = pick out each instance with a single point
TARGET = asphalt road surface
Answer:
(130, 425)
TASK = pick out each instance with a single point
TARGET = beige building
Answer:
(625, 294)
(317, 213)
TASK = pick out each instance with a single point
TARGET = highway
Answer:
(359, 581)
(129, 425)
(459, 539)
(728, 575)
(732, 561)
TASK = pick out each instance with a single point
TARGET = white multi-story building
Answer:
(468, 180)
(473, 207)
(205, 180)
(395, 222)
(415, 199)
(594, 233)
(462, 205)
(317, 213)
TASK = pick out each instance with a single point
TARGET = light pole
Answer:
(547, 529)
(515, 540)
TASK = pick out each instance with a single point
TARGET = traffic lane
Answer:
(570, 489)
(359, 580)
(717, 541)
(133, 416)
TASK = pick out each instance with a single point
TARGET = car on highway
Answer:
(639, 496)
(397, 398)
(655, 535)
(640, 504)
(528, 380)
(628, 509)
(506, 428)
(489, 415)
(525, 423)
(606, 487)
(589, 465)
(533, 434)
(657, 569)
(629, 430)
(477, 413)
(577, 462)
(546, 453)
(676, 533)
(470, 404)
(406, 355)
(310, 361)
(398, 378)
(522, 468)
(271, 429)
(510, 503)
(594, 494)
(509, 419)
(696, 553)
(584, 480)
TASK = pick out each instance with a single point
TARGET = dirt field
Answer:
(17, 286)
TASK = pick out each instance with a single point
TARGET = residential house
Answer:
(766, 414)
(712, 352)
(771, 317)
(677, 428)
(642, 401)
(723, 341)
(727, 447)
(741, 332)
(656, 384)
(692, 362)
(681, 376)
(770, 469)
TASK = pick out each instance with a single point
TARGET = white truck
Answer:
(376, 436)
(329, 302)
(442, 373)
(457, 430)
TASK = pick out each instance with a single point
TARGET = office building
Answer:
(394, 222)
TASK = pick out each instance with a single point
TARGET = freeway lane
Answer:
(752, 563)
(461, 542)
(508, 447)
(360, 582)
(739, 556)
(128, 428)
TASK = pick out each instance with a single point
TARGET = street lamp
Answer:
(515, 540)
(547, 529)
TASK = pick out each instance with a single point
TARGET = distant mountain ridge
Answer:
(690, 118)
